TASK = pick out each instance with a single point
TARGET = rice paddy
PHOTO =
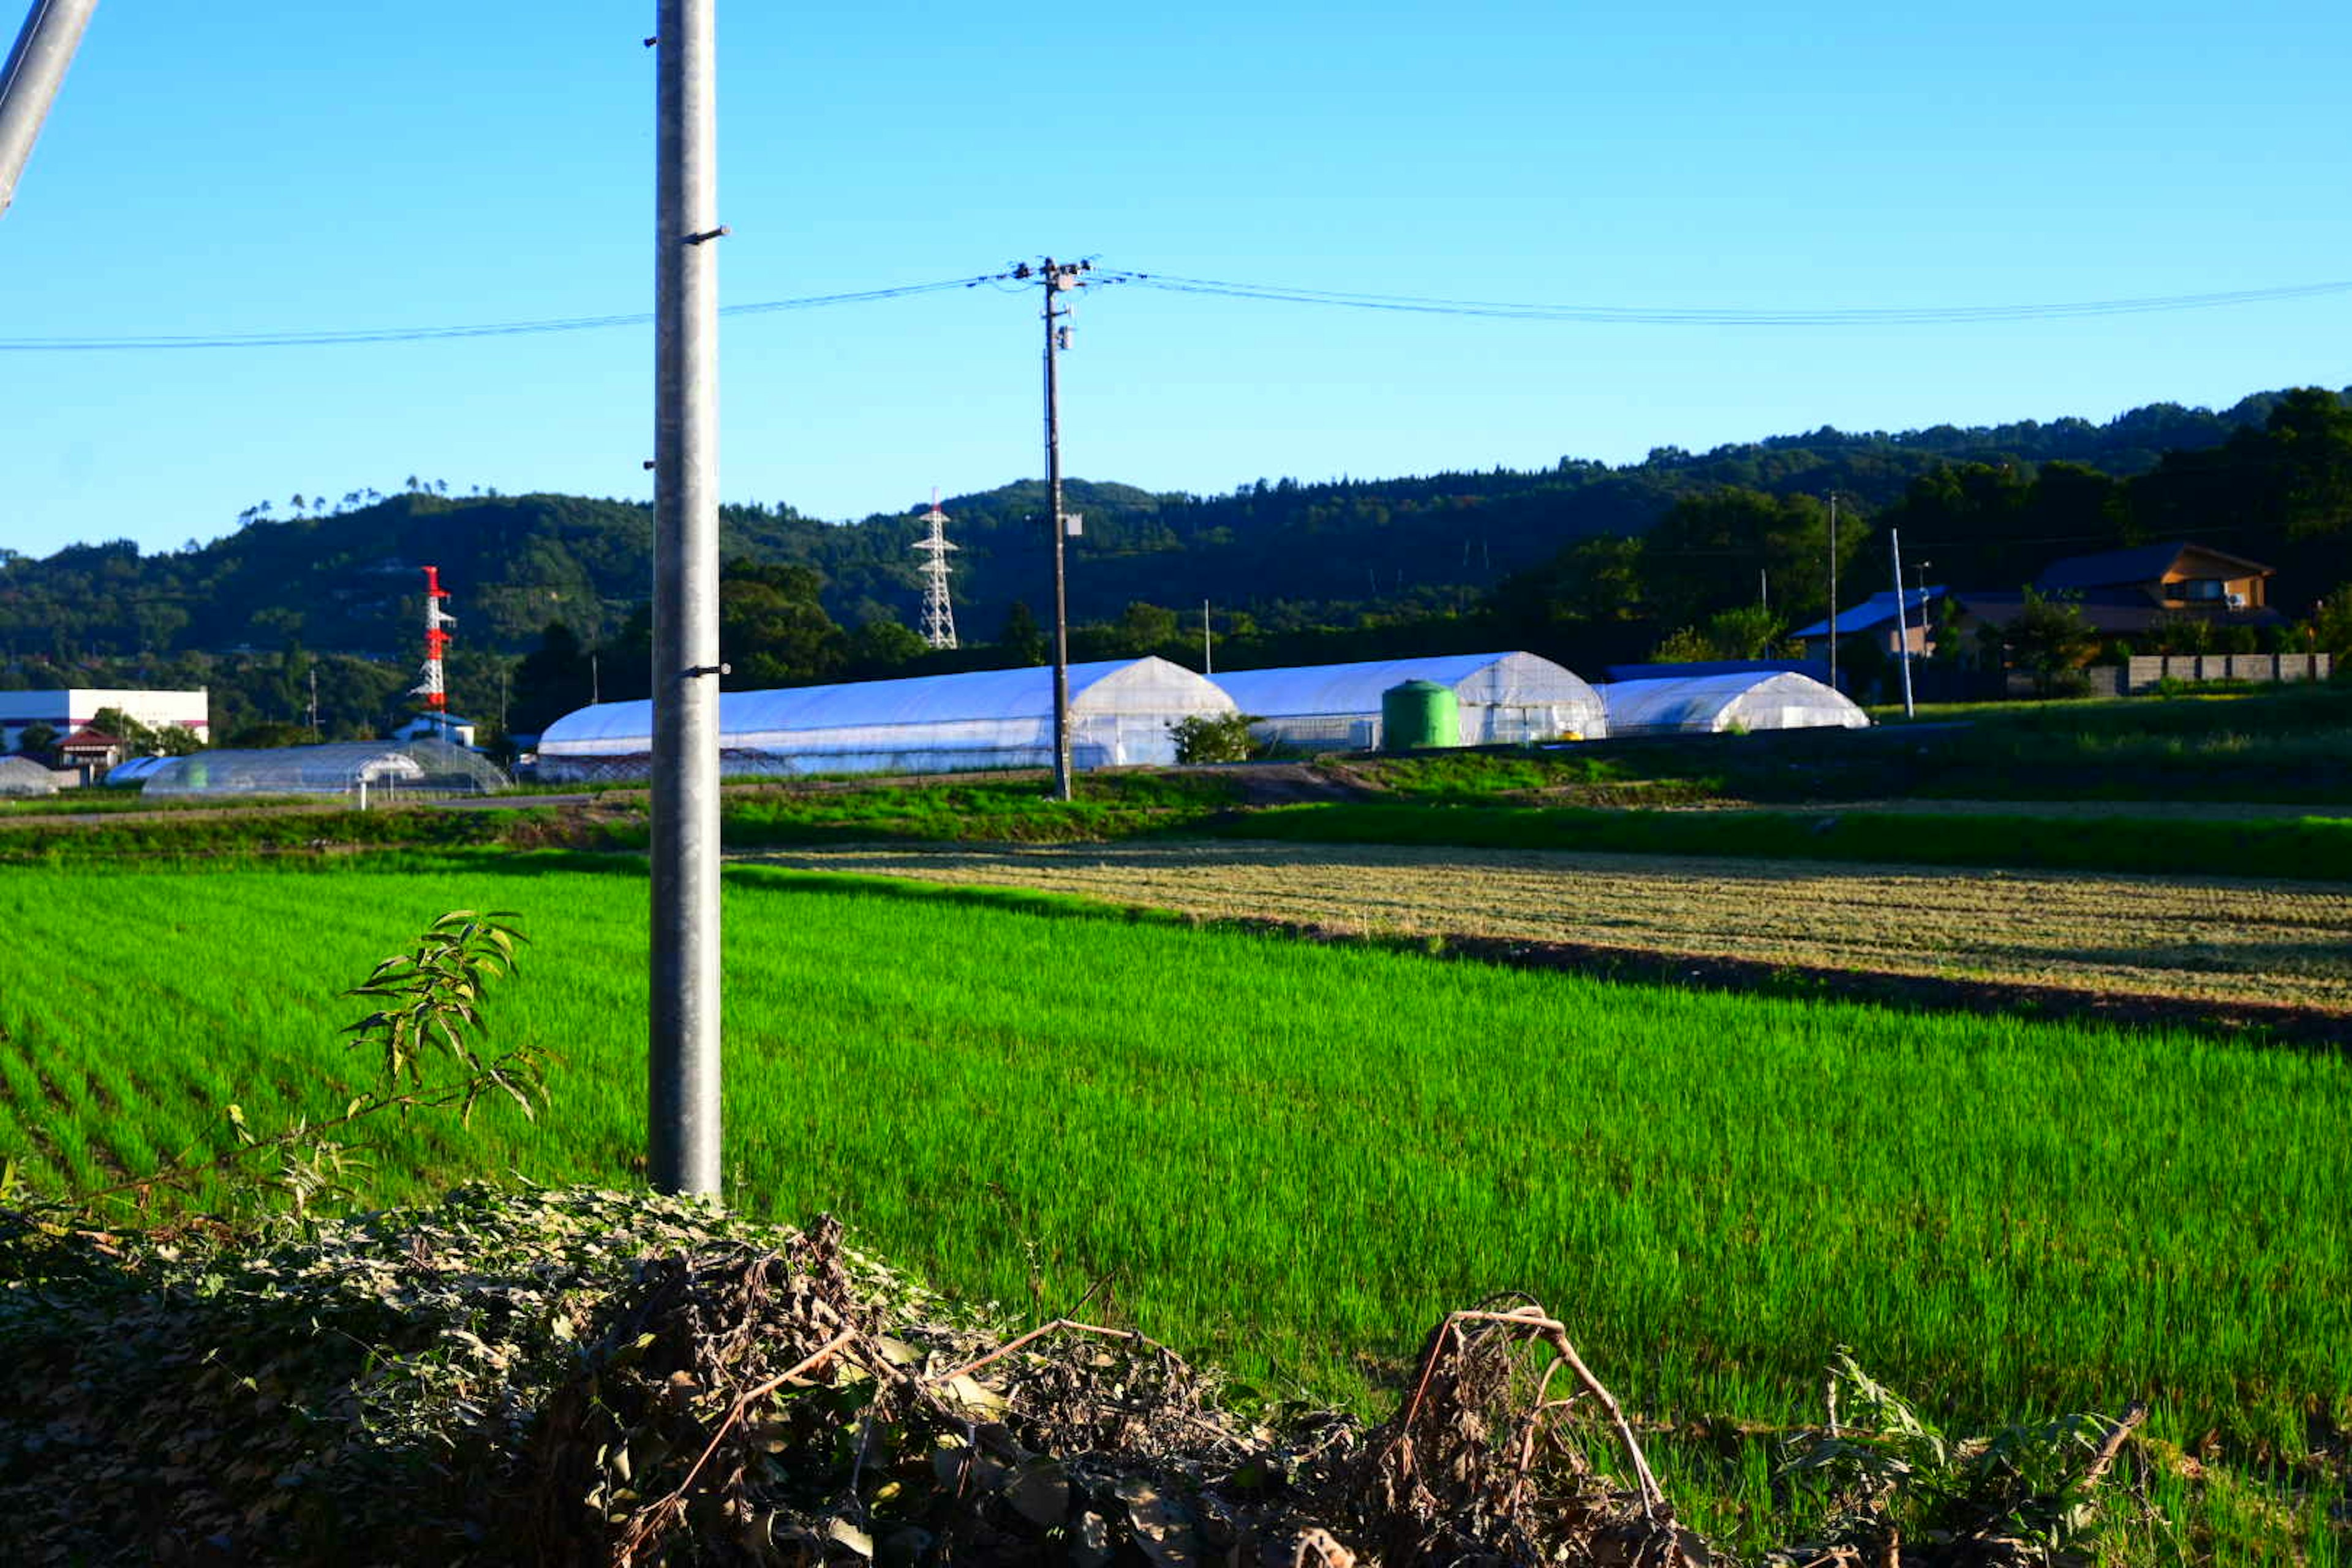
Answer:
(2223, 940)
(1292, 1159)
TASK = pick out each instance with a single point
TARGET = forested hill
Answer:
(1289, 555)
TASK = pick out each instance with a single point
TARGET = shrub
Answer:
(1213, 738)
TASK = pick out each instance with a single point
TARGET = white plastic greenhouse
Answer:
(372, 770)
(1504, 698)
(24, 776)
(1120, 711)
(1710, 704)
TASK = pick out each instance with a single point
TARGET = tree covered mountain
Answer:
(1582, 559)
(344, 577)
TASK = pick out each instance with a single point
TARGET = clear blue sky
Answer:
(272, 165)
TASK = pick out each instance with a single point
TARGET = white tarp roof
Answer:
(1019, 698)
(1501, 680)
(1704, 704)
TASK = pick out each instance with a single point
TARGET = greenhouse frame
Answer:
(1122, 711)
(1714, 704)
(1505, 698)
(367, 771)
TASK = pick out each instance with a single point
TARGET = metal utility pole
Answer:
(1833, 613)
(314, 699)
(1208, 649)
(1902, 622)
(1058, 277)
(29, 82)
(682, 1078)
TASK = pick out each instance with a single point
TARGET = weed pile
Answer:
(580, 1377)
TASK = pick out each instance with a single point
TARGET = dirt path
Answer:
(2213, 941)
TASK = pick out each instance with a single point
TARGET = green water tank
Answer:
(1420, 713)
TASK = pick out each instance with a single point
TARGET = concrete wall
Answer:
(2142, 673)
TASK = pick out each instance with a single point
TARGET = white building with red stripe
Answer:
(70, 709)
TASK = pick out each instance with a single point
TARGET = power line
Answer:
(1923, 315)
(335, 338)
(1604, 315)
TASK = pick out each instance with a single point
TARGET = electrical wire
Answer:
(1895, 316)
(331, 338)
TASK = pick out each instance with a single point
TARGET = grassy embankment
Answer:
(2292, 745)
(1292, 1159)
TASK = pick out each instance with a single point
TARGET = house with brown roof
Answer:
(88, 751)
(2136, 591)
(2178, 576)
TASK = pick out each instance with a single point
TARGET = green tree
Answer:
(2330, 627)
(772, 629)
(881, 645)
(552, 679)
(1022, 640)
(2051, 638)
(1145, 626)
(36, 739)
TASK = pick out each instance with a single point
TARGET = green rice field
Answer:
(1294, 1159)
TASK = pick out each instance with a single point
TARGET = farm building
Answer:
(24, 776)
(381, 769)
(1711, 704)
(67, 711)
(1120, 711)
(1504, 697)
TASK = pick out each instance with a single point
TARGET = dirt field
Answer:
(2216, 940)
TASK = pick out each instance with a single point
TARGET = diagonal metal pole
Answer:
(29, 81)
(684, 1036)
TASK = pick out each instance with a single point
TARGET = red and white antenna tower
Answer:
(938, 610)
(434, 689)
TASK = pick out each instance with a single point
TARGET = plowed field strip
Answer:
(2209, 940)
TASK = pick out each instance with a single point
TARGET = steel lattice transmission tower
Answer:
(434, 688)
(938, 610)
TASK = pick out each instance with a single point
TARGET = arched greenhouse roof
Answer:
(1507, 678)
(1017, 698)
(1708, 704)
(421, 766)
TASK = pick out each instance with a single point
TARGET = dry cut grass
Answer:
(2210, 939)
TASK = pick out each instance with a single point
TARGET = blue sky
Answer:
(282, 166)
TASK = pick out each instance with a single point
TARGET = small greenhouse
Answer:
(1504, 698)
(367, 771)
(1120, 713)
(1711, 704)
(21, 776)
